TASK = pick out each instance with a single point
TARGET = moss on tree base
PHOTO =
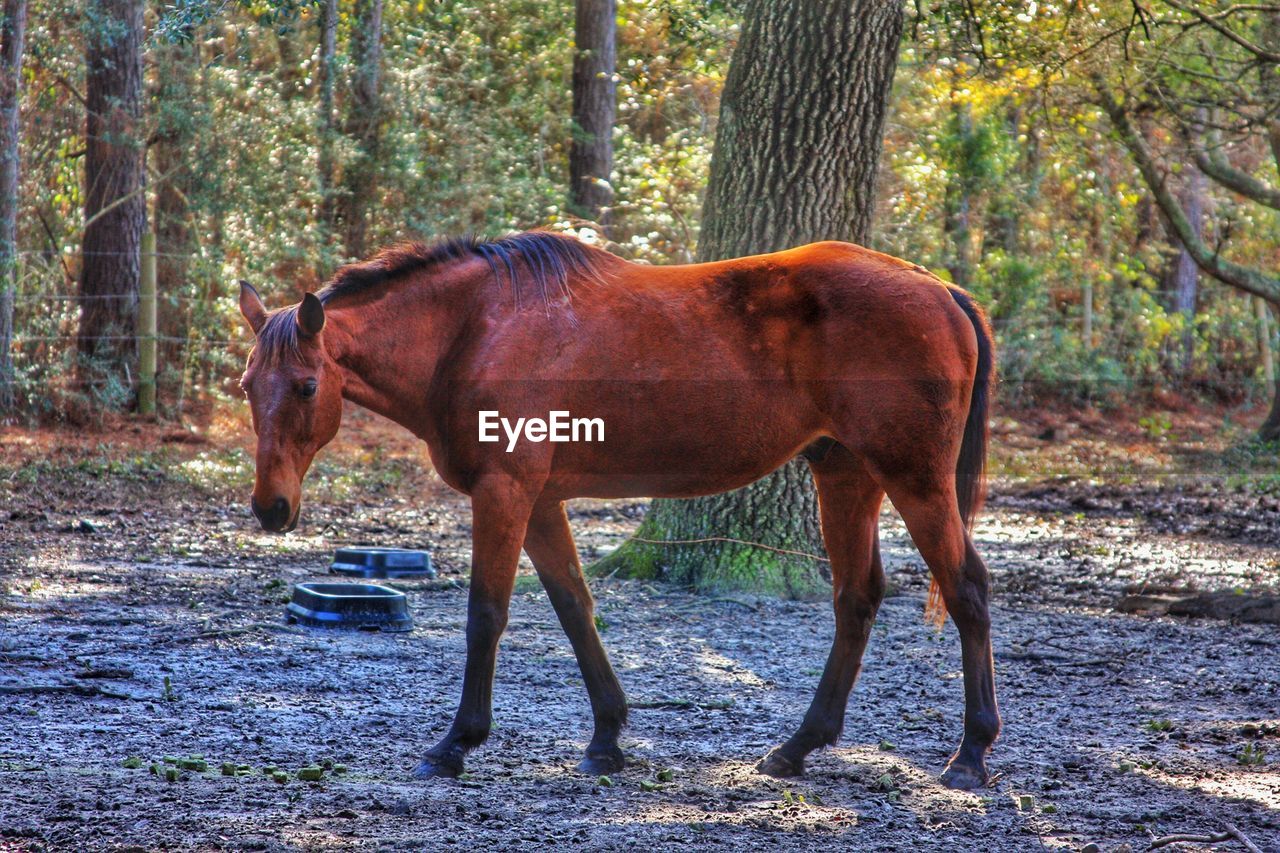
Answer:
(688, 544)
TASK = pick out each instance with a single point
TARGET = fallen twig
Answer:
(753, 607)
(251, 628)
(105, 672)
(1189, 838)
(1233, 832)
(680, 704)
(1243, 839)
(1057, 660)
(78, 689)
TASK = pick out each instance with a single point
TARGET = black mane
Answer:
(548, 259)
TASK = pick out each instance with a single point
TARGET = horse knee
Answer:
(485, 624)
(861, 604)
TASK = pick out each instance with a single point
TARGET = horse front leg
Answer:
(549, 544)
(500, 513)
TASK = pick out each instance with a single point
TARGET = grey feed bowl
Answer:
(360, 606)
(360, 562)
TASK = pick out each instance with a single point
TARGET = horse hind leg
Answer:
(549, 543)
(933, 520)
(849, 501)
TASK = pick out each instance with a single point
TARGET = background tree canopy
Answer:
(1026, 155)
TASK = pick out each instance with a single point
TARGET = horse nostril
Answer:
(273, 518)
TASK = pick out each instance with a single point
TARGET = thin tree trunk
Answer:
(594, 105)
(1004, 214)
(363, 126)
(12, 33)
(1184, 278)
(1270, 429)
(115, 205)
(957, 223)
(795, 162)
(173, 152)
(327, 124)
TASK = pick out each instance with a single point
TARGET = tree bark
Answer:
(327, 124)
(115, 205)
(363, 126)
(594, 106)
(795, 161)
(13, 29)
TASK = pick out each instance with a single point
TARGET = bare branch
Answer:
(1216, 24)
(1214, 164)
(1233, 274)
(122, 199)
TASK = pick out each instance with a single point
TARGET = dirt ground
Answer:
(141, 617)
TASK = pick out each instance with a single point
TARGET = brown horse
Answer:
(705, 377)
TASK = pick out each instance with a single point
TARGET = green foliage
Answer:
(1002, 171)
(997, 169)
(474, 138)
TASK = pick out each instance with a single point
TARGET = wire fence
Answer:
(20, 339)
(180, 341)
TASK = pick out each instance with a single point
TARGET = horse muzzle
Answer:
(277, 518)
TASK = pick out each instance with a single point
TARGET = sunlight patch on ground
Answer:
(222, 467)
(56, 578)
(797, 815)
(1259, 786)
(725, 670)
(313, 838)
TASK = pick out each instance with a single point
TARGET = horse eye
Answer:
(308, 390)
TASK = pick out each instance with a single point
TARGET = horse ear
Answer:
(310, 316)
(251, 306)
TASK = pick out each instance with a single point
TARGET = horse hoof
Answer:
(437, 768)
(963, 778)
(600, 763)
(778, 766)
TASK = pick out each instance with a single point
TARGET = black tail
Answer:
(971, 469)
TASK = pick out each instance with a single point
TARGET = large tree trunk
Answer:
(363, 126)
(115, 206)
(795, 161)
(594, 104)
(12, 32)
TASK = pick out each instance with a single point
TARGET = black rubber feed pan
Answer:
(360, 606)
(382, 563)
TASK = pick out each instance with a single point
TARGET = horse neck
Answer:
(390, 348)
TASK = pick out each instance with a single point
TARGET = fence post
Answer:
(147, 328)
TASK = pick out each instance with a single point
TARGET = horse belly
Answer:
(687, 444)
